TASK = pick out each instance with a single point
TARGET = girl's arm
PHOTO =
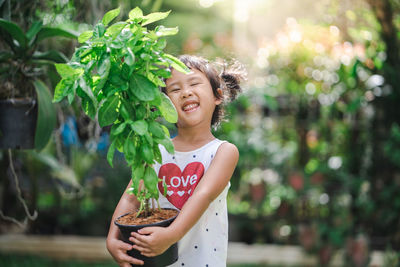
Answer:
(115, 246)
(152, 241)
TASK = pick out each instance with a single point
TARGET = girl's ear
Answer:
(219, 100)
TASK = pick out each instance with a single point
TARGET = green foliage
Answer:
(117, 72)
(304, 132)
(392, 146)
(46, 115)
(26, 63)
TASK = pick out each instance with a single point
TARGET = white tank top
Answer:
(206, 243)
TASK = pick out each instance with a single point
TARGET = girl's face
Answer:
(192, 97)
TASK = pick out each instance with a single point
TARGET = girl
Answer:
(197, 175)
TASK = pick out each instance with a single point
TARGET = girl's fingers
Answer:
(125, 246)
(139, 237)
(131, 260)
(139, 242)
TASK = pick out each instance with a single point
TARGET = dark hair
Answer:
(221, 75)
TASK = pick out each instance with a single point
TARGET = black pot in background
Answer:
(168, 257)
(18, 123)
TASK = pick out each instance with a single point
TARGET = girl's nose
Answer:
(186, 92)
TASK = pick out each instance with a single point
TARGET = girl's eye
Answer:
(194, 84)
(174, 90)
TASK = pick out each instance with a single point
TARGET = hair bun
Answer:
(232, 76)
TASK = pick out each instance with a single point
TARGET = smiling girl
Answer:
(197, 176)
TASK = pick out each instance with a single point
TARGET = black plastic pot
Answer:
(168, 257)
(18, 123)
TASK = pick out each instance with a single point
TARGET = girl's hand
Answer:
(118, 249)
(152, 241)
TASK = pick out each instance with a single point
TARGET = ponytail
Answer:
(231, 77)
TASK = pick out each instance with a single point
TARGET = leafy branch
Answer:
(117, 72)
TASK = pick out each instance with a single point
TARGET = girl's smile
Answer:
(190, 106)
(193, 98)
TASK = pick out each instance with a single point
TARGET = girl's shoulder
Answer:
(227, 150)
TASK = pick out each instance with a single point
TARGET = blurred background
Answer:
(318, 127)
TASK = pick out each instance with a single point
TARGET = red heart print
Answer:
(180, 185)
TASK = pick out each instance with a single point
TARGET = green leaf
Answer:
(46, 121)
(140, 112)
(137, 175)
(70, 97)
(115, 29)
(84, 36)
(67, 72)
(129, 57)
(110, 15)
(136, 13)
(167, 143)
(166, 131)
(108, 111)
(126, 72)
(15, 31)
(156, 16)
(161, 43)
(86, 88)
(110, 153)
(52, 55)
(61, 90)
(33, 30)
(148, 138)
(167, 109)
(104, 67)
(142, 87)
(127, 110)
(120, 128)
(139, 127)
(157, 154)
(98, 31)
(47, 32)
(163, 31)
(146, 152)
(85, 53)
(177, 64)
(151, 180)
(88, 106)
(129, 151)
(156, 129)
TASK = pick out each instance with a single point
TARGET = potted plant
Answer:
(27, 115)
(116, 73)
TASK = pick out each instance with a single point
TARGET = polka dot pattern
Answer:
(207, 245)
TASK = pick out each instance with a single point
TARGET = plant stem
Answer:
(158, 205)
(140, 208)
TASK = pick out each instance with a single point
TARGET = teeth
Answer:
(190, 106)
